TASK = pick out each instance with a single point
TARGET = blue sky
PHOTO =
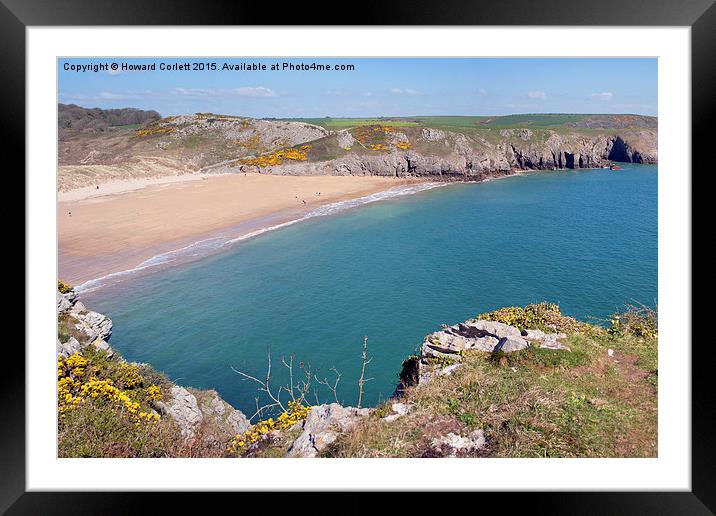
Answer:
(376, 87)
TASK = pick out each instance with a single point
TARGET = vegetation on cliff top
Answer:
(597, 400)
(106, 408)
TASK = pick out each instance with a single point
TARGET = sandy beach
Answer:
(103, 234)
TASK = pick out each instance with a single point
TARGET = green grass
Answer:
(545, 120)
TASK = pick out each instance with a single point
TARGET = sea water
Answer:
(391, 271)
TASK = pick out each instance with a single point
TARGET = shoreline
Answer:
(91, 270)
(108, 236)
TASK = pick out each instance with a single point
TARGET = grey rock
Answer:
(78, 307)
(452, 445)
(511, 344)
(183, 408)
(497, 329)
(232, 420)
(94, 325)
(63, 303)
(323, 426)
(550, 342)
(432, 134)
(447, 371)
(345, 139)
(399, 410)
(546, 340)
(104, 346)
(237, 421)
(71, 346)
(534, 335)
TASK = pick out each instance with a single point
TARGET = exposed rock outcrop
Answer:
(489, 336)
(322, 426)
(181, 405)
(442, 351)
(453, 445)
(88, 324)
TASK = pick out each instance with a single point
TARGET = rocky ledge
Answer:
(442, 351)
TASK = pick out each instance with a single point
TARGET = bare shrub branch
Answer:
(334, 387)
(297, 392)
(363, 379)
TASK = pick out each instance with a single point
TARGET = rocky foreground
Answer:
(194, 415)
(451, 394)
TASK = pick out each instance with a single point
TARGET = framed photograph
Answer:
(427, 252)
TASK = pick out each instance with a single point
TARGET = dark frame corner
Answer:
(700, 15)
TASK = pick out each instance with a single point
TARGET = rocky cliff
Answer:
(456, 156)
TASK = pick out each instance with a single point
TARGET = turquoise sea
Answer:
(394, 271)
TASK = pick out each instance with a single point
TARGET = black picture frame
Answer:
(700, 15)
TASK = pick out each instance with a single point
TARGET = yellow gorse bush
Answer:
(154, 392)
(278, 157)
(545, 316)
(129, 376)
(296, 412)
(76, 364)
(151, 131)
(73, 388)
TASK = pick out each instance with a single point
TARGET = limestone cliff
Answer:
(455, 156)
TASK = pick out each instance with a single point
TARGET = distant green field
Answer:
(538, 120)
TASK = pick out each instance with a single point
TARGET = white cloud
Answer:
(110, 95)
(114, 72)
(194, 92)
(605, 95)
(537, 94)
(258, 91)
(406, 91)
(244, 91)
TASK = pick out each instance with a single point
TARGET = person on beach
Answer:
(69, 213)
(304, 201)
